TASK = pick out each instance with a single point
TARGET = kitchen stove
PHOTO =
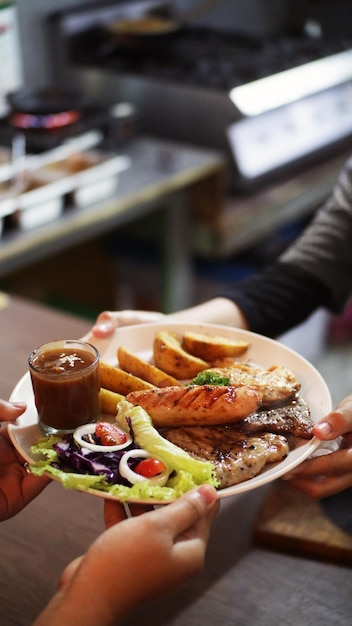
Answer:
(272, 105)
(278, 107)
(206, 58)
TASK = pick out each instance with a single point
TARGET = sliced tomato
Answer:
(109, 434)
(149, 468)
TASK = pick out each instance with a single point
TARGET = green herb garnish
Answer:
(210, 378)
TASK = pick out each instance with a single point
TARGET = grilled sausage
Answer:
(197, 404)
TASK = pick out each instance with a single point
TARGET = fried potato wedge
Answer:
(109, 400)
(211, 348)
(115, 379)
(142, 369)
(170, 357)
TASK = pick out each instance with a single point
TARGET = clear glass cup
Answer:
(65, 381)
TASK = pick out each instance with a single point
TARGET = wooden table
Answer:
(241, 585)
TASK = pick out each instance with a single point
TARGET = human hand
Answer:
(115, 512)
(10, 411)
(134, 561)
(329, 473)
(17, 486)
(108, 321)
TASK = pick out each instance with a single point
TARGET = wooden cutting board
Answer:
(291, 522)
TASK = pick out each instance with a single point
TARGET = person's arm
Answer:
(324, 248)
(217, 311)
(279, 298)
(315, 271)
(332, 472)
(133, 562)
(269, 303)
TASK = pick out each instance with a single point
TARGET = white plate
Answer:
(139, 339)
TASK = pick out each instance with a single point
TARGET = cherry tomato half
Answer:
(109, 434)
(149, 468)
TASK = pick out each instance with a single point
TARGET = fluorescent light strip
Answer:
(291, 85)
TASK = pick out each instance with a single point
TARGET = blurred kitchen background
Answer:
(264, 84)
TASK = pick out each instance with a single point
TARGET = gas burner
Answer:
(49, 116)
(47, 122)
(203, 57)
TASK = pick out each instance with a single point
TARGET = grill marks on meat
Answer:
(197, 404)
(293, 419)
(237, 457)
(277, 384)
(240, 428)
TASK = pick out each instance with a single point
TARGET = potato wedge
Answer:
(210, 348)
(142, 369)
(170, 357)
(109, 400)
(115, 379)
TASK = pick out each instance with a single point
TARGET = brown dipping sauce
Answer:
(66, 385)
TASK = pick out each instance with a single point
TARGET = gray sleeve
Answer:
(324, 250)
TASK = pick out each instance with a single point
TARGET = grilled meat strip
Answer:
(237, 457)
(292, 419)
(277, 384)
(197, 404)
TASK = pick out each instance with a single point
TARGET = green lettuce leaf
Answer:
(148, 438)
(187, 472)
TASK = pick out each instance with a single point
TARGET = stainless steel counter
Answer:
(161, 175)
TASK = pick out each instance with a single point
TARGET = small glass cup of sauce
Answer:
(65, 381)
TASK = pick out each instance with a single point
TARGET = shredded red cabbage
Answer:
(73, 458)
